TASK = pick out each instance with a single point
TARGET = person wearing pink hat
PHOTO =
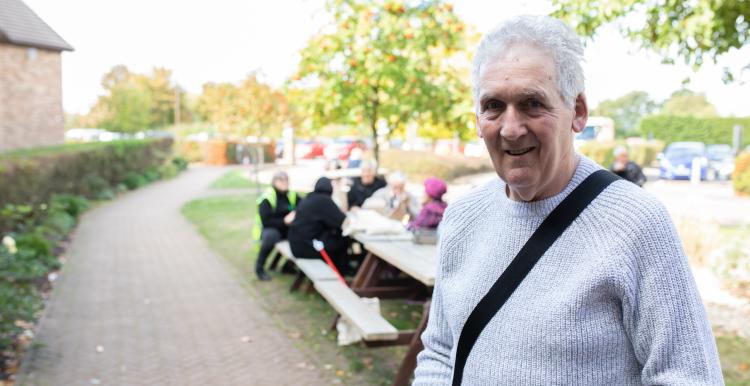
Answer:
(432, 211)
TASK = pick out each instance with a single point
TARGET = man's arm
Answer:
(662, 310)
(267, 218)
(434, 364)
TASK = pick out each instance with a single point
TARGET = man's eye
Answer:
(534, 104)
(493, 105)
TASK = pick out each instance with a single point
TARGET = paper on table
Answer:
(371, 222)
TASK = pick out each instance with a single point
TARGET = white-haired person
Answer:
(393, 200)
(557, 272)
(625, 168)
(365, 185)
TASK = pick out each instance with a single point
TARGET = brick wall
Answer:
(31, 112)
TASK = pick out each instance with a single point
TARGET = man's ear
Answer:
(582, 113)
(479, 130)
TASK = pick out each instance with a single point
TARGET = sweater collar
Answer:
(542, 208)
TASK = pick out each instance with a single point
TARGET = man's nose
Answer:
(513, 124)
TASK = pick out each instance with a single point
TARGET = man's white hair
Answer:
(396, 178)
(543, 32)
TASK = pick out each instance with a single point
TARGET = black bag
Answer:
(550, 229)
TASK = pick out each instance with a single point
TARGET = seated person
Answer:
(626, 168)
(275, 212)
(432, 211)
(364, 186)
(318, 218)
(393, 201)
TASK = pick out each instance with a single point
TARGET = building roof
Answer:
(19, 25)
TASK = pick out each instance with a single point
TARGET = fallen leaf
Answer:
(95, 381)
(295, 335)
(743, 366)
(327, 366)
(339, 373)
(246, 339)
(99, 348)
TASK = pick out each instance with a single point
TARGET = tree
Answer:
(384, 64)
(627, 111)
(687, 103)
(693, 30)
(250, 108)
(134, 102)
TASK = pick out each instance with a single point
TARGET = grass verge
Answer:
(225, 222)
(234, 179)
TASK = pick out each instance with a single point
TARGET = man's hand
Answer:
(290, 217)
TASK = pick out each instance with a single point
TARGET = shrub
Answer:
(643, 154)
(420, 165)
(168, 170)
(134, 180)
(709, 130)
(151, 173)
(180, 163)
(741, 174)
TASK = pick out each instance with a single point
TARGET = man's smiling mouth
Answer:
(517, 152)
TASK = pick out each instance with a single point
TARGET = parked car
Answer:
(308, 149)
(677, 160)
(341, 148)
(720, 161)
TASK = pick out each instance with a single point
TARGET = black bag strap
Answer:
(551, 228)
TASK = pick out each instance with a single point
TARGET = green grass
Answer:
(226, 223)
(235, 179)
(735, 359)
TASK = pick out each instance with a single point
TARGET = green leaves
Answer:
(386, 63)
(694, 31)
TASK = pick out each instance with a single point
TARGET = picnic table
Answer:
(418, 261)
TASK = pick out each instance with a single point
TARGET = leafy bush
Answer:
(167, 170)
(420, 165)
(741, 174)
(151, 173)
(708, 130)
(180, 163)
(643, 154)
(73, 205)
(134, 180)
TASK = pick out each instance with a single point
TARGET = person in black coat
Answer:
(318, 218)
(626, 168)
(363, 187)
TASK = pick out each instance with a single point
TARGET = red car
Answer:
(308, 149)
(341, 149)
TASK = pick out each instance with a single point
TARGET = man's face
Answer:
(525, 124)
(398, 188)
(622, 157)
(281, 184)
(368, 176)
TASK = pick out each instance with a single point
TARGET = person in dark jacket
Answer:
(276, 210)
(318, 218)
(363, 187)
(626, 168)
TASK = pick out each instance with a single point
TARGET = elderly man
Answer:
(625, 168)
(394, 200)
(610, 300)
(364, 186)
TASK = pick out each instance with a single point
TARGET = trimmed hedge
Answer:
(741, 174)
(93, 170)
(708, 130)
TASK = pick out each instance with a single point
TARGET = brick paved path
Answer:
(143, 301)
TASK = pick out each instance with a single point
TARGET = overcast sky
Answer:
(222, 40)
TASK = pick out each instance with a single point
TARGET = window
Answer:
(32, 53)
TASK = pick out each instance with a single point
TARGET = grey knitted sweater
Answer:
(612, 302)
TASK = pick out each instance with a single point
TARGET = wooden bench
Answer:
(312, 269)
(370, 324)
